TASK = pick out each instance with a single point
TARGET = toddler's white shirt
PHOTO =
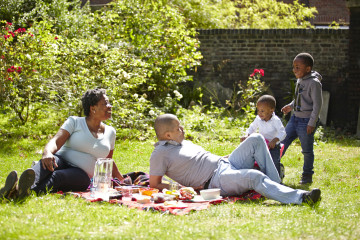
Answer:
(269, 129)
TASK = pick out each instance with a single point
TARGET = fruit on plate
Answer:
(187, 193)
(143, 199)
(175, 193)
(148, 191)
(162, 197)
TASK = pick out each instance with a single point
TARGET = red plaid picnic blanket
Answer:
(184, 208)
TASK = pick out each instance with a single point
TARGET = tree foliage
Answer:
(206, 14)
(263, 14)
(141, 51)
(260, 14)
(138, 50)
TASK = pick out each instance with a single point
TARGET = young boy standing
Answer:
(306, 106)
(270, 126)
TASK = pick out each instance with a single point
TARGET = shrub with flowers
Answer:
(247, 92)
(138, 54)
(23, 56)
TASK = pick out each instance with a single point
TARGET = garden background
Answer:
(144, 53)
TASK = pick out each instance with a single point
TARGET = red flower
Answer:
(10, 79)
(9, 23)
(20, 30)
(56, 38)
(257, 71)
(262, 72)
(9, 70)
(2, 56)
(19, 70)
(12, 67)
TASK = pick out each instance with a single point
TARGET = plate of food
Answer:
(198, 199)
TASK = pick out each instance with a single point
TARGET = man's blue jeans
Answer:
(236, 175)
(296, 128)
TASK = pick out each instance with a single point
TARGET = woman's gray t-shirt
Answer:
(82, 149)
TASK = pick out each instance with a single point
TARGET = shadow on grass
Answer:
(12, 145)
(338, 137)
(9, 145)
(306, 187)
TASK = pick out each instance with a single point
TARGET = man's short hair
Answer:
(269, 100)
(306, 58)
(164, 123)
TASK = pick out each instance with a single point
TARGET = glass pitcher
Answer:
(103, 174)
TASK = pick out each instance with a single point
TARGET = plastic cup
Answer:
(126, 192)
(174, 186)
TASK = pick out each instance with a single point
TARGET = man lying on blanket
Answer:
(192, 166)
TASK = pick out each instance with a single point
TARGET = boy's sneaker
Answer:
(306, 178)
(312, 197)
(26, 180)
(10, 185)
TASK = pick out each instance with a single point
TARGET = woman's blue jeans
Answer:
(296, 128)
(64, 178)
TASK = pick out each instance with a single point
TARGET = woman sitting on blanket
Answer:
(68, 160)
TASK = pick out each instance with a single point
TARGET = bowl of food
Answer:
(148, 191)
(210, 194)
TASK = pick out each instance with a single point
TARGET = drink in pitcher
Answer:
(103, 174)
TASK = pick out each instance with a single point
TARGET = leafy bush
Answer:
(13, 10)
(27, 62)
(138, 51)
(159, 37)
(245, 96)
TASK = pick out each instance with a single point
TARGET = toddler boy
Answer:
(270, 126)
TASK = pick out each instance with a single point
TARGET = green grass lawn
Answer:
(57, 217)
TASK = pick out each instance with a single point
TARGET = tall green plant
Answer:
(244, 99)
(27, 64)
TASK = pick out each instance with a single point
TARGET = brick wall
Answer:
(231, 55)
